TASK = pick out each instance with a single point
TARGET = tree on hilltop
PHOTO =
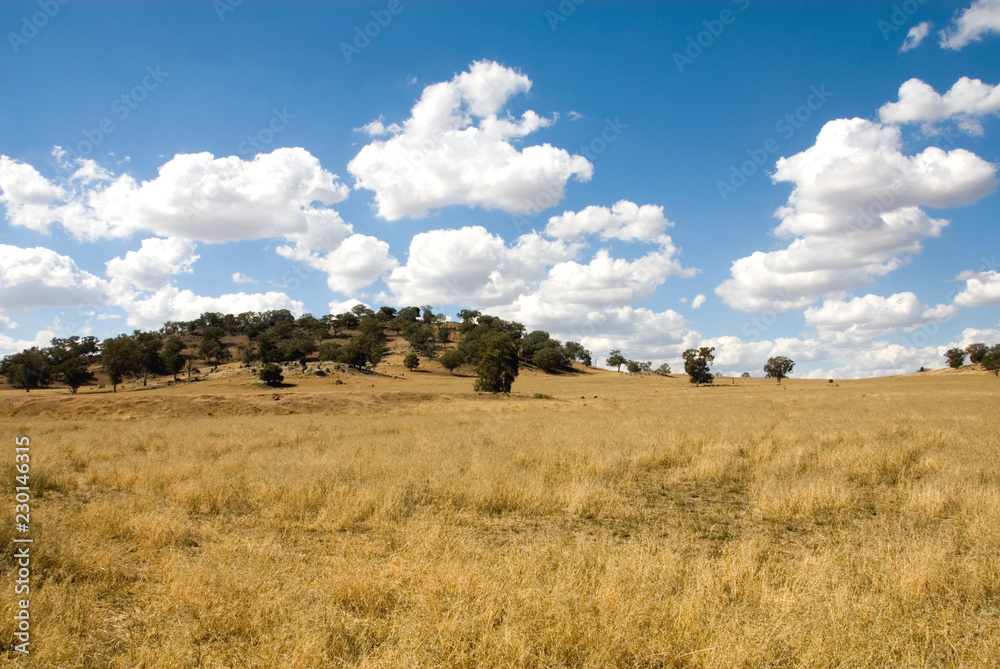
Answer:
(977, 352)
(955, 356)
(778, 367)
(616, 359)
(991, 361)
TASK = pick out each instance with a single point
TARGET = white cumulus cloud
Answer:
(915, 36)
(458, 147)
(863, 319)
(920, 103)
(981, 289)
(194, 196)
(981, 18)
(40, 277)
(171, 304)
(625, 220)
(853, 215)
(153, 265)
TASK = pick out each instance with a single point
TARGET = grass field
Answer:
(588, 520)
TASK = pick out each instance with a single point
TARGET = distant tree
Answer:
(420, 337)
(498, 364)
(452, 359)
(549, 359)
(663, 370)
(616, 359)
(360, 310)
(469, 315)
(120, 357)
(247, 353)
(69, 360)
(778, 367)
(386, 313)
(575, 351)
(173, 358)
(977, 352)
(345, 321)
(745, 375)
(28, 369)
(148, 345)
(634, 366)
(211, 347)
(330, 352)
(698, 363)
(271, 374)
(956, 357)
(411, 361)
(991, 361)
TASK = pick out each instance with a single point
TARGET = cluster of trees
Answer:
(66, 361)
(493, 346)
(698, 365)
(979, 353)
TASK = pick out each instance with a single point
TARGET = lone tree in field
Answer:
(778, 367)
(498, 364)
(956, 357)
(616, 359)
(977, 352)
(698, 364)
(663, 370)
(271, 374)
(411, 361)
(991, 361)
(452, 359)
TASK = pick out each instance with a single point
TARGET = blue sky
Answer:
(641, 176)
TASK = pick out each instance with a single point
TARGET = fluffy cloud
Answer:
(194, 196)
(169, 303)
(698, 300)
(862, 319)
(625, 220)
(10, 345)
(353, 264)
(735, 356)
(470, 265)
(981, 289)
(920, 103)
(456, 148)
(40, 277)
(284, 194)
(153, 265)
(853, 214)
(915, 36)
(240, 277)
(982, 18)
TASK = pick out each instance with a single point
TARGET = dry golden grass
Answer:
(417, 524)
